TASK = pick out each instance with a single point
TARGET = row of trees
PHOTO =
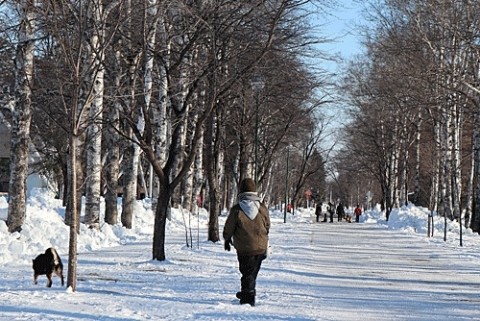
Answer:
(155, 97)
(415, 107)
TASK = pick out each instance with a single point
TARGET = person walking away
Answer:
(340, 212)
(318, 211)
(330, 211)
(247, 227)
(358, 212)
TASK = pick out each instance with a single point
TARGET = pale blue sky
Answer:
(342, 25)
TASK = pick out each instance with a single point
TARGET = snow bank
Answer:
(44, 226)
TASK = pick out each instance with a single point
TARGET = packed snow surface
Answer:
(372, 270)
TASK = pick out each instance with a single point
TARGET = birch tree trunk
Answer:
(151, 26)
(213, 184)
(394, 172)
(161, 115)
(21, 117)
(188, 181)
(436, 162)
(471, 177)
(112, 168)
(130, 171)
(446, 144)
(418, 138)
(475, 220)
(457, 115)
(132, 155)
(403, 188)
(198, 177)
(94, 137)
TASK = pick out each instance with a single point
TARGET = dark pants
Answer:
(249, 267)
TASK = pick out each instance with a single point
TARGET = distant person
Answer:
(318, 211)
(358, 212)
(247, 227)
(289, 208)
(340, 212)
(331, 210)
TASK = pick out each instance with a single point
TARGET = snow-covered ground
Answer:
(317, 271)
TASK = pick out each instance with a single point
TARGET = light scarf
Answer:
(249, 203)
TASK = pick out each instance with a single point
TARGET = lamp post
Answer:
(258, 83)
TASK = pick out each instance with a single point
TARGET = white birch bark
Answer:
(132, 154)
(94, 137)
(188, 180)
(161, 115)
(112, 168)
(151, 26)
(233, 186)
(151, 31)
(470, 190)
(418, 137)
(446, 156)
(21, 117)
(221, 174)
(457, 113)
(199, 178)
(394, 177)
(403, 189)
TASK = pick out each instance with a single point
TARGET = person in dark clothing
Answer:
(247, 227)
(318, 211)
(330, 211)
(340, 212)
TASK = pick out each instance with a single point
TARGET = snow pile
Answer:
(44, 227)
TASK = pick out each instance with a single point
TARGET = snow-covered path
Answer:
(368, 273)
(318, 271)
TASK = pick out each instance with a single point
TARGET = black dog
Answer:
(48, 263)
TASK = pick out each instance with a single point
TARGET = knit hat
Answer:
(247, 185)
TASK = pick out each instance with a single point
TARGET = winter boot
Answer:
(247, 297)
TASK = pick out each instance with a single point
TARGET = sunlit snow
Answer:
(372, 270)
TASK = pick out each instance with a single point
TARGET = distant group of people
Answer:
(339, 210)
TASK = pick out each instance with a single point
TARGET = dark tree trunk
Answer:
(160, 224)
